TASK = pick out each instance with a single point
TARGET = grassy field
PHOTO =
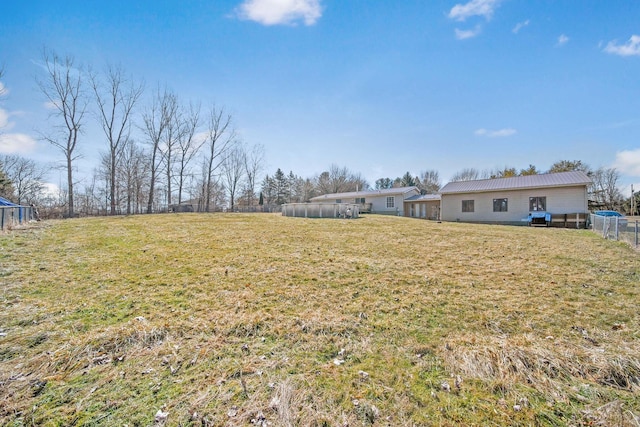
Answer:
(213, 320)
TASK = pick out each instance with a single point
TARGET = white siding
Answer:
(378, 201)
(379, 205)
(559, 201)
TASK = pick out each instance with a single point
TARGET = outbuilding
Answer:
(425, 206)
(511, 200)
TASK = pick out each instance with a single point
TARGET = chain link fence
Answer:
(616, 228)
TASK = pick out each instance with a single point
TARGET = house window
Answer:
(360, 200)
(500, 205)
(467, 206)
(338, 200)
(391, 202)
(537, 204)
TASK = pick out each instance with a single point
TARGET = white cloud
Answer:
(468, 34)
(4, 118)
(501, 133)
(16, 143)
(519, 26)
(51, 189)
(562, 40)
(50, 105)
(628, 162)
(460, 12)
(631, 48)
(278, 12)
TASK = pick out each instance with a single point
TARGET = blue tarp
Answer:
(537, 217)
(5, 202)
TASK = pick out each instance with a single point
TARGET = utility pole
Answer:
(633, 201)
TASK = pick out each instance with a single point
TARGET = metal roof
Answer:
(368, 193)
(560, 179)
(422, 197)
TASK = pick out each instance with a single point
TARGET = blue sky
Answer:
(377, 86)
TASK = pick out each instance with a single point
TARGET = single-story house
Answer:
(511, 200)
(426, 206)
(388, 201)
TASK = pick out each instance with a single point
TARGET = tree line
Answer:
(155, 155)
(169, 152)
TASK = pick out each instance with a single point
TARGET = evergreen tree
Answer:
(531, 170)
(384, 183)
(281, 187)
(407, 180)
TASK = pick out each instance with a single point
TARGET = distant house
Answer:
(511, 200)
(387, 201)
(426, 206)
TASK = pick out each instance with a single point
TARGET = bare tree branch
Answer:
(220, 137)
(116, 98)
(188, 144)
(233, 171)
(254, 162)
(155, 121)
(64, 89)
(26, 176)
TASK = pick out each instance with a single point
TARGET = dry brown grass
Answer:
(267, 320)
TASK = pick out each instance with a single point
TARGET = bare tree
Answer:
(220, 138)
(26, 176)
(170, 140)
(358, 182)
(254, 162)
(335, 180)
(134, 174)
(430, 181)
(605, 190)
(64, 89)
(339, 180)
(188, 144)
(468, 174)
(116, 98)
(156, 119)
(210, 190)
(93, 199)
(233, 172)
